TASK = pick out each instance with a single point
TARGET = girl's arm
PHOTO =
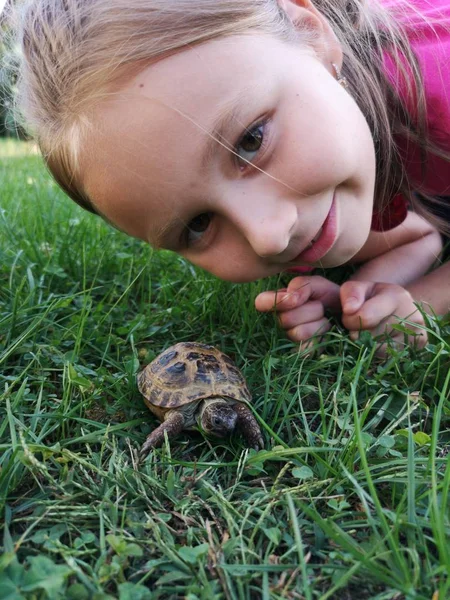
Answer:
(433, 290)
(401, 255)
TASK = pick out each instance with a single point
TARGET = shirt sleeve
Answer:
(391, 215)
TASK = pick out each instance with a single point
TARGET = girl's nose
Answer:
(269, 232)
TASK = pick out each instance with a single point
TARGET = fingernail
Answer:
(350, 303)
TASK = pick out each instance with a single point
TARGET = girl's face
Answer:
(244, 155)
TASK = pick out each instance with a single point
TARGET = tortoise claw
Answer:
(259, 444)
(249, 427)
(146, 447)
(172, 426)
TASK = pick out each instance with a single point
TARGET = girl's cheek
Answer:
(226, 266)
(309, 162)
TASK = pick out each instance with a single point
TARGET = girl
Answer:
(254, 136)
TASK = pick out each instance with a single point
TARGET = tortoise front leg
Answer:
(172, 425)
(249, 426)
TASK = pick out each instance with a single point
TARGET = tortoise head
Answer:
(218, 417)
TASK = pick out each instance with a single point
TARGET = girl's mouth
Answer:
(323, 241)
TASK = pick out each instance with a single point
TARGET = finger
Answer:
(309, 347)
(309, 312)
(312, 287)
(299, 283)
(265, 301)
(305, 331)
(400, 341)
(354, 294)
(373, 313)
(279, 301)
(317, 288)
(418, 336)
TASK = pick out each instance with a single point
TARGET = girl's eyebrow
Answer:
(223, 123)
(227, 116)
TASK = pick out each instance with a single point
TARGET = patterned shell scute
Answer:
(187, 372)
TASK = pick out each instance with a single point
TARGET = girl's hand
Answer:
(301, 306)
(375, 307)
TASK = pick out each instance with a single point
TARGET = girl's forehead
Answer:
(214, 70)
(153, 138)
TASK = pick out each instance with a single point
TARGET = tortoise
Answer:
(192, 385)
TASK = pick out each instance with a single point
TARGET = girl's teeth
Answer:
(314, 240)
(316, 237)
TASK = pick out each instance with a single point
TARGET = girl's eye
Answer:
(197, 227)
(251, 143)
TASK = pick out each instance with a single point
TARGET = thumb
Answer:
(354, 294)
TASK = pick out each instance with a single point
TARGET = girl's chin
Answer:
(336, 261)
(341, 254)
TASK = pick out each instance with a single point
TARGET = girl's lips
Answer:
(325, 241)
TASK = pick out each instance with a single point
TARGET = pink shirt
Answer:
(431, 43)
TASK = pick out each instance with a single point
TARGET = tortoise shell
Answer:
(188, 372)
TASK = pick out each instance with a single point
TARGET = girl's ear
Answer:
(290, 6)
(304, 15)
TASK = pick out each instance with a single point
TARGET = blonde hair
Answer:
(75, 51)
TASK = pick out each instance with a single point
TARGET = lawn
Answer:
(348, 500)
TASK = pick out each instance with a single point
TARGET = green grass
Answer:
(349, 499)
